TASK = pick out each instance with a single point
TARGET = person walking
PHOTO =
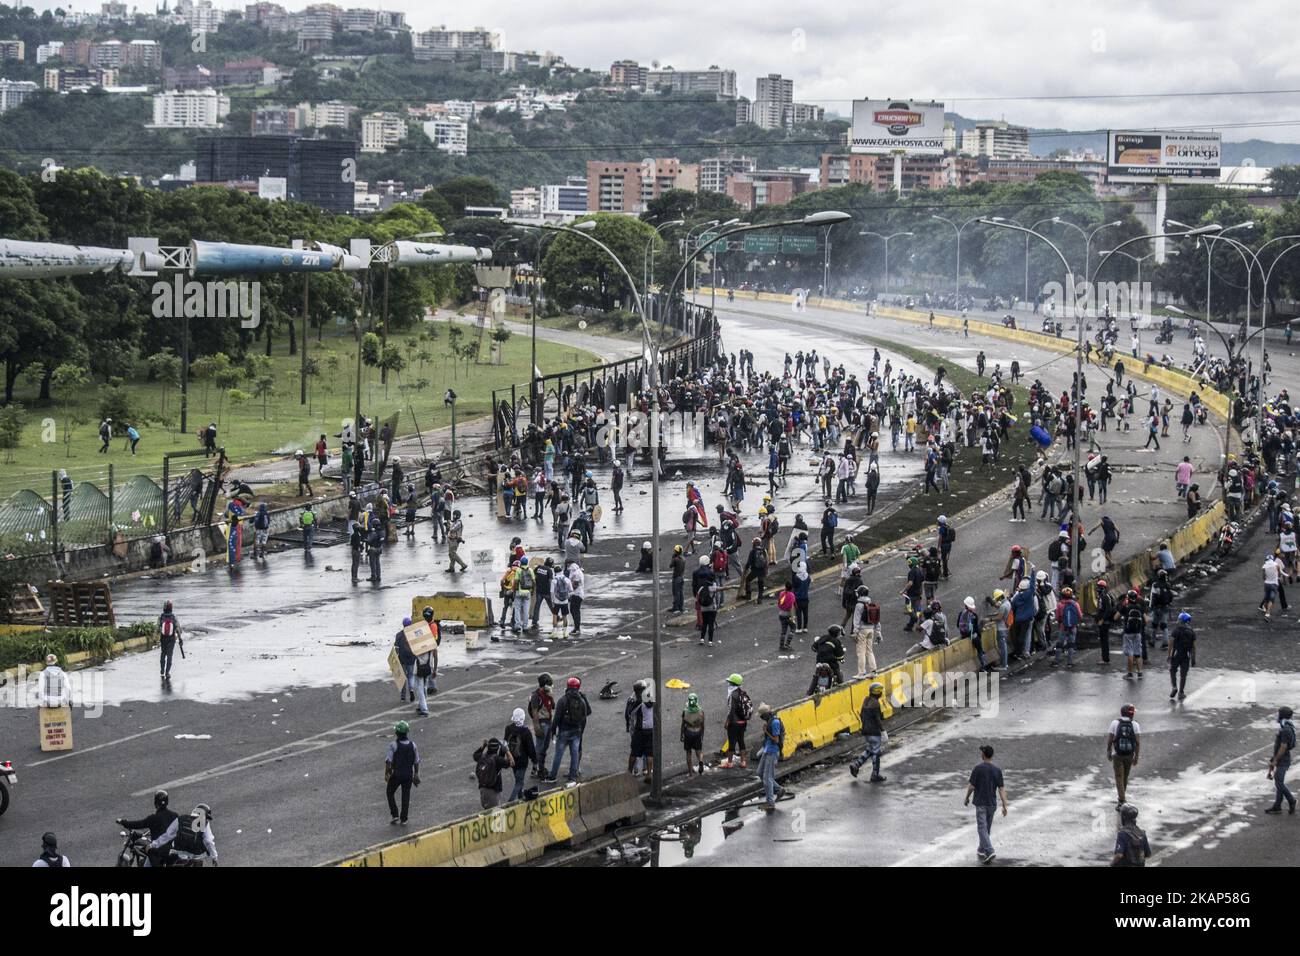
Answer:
(308, 522)
(455, 535)
(571, 713)
(1105, 617)
(169, 632)
(50, 855)
(1280, 762)
(406, 660)
(133, 436)
(1182, 655)
(986, 787)
(873, 732)
(1131, 845)
(1123, 746)
(866, 631)
(677, 567)
(773, 743)
(401, 770)
(577, 582)
(692, 733)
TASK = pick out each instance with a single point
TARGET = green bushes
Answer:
(31, 647)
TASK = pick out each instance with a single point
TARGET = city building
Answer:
(202, 17)
(443, 44)
(72, 78)
(961, 171)
(49, 51)
(995, 139)
(13, 92)
(190, 109)
(379, 131)
(714, 171)
(13, 50)
(317, 30)
(275, 121)
(1027, 170)
(766, 187)
(629, 74)
(449, 134)
(566, 200)
(310, 167)
(526, 202)
(842, 169)
(613, 187)
(329, 113)
(796, 114)
(715, 81)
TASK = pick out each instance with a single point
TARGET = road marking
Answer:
(110, 743)
(964, 831)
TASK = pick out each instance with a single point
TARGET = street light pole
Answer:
(894, 235)
(958, 230)
(648, 274)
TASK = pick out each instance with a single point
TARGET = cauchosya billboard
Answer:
(1140, 157)
(886, 126)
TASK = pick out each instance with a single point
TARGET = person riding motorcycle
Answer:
(162, 825)
(829, 649)
(194, 837)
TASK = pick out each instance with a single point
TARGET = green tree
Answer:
(465, 191)
(580, 273)
(67, 380)
(11, 429)
(226, 379)
(165, 368)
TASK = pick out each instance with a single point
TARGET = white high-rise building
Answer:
(380, 131)
(996, 139)
(13, 92)
(329, 113)
(449, 134)
(48, 51)
(190, 109)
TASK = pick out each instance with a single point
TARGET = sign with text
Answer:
(1143, 157)
(914, 127)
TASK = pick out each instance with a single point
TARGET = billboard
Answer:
(1142, 157)
(886, 126)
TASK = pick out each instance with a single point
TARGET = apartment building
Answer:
(190, 109)
(714, 171)
(379, 131)
(715, 81)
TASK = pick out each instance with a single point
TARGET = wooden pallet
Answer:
(81, 604)
(26, 607)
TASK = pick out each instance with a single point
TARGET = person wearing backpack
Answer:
(785, 603)
(968, 626)
(50, 855)
(522, 595)
(1133, 616)
(740, 709)
(641, 725)
(570, 723)
(1105, 616)
(873, 732)
(1123, 745)
(1162, 599)
(866, 631)
(261, 531)
(829, 648)
(490, 759)
(169, 632)
(1131, 845)
(1280, 762)
(401, 769)
(521, 748)
(773, 744)
(541, 710)
(561, 591)
(1068, 616)
(947, 538)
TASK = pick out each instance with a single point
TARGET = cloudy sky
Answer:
(983, 59)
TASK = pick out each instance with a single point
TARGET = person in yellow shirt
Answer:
(909, 429)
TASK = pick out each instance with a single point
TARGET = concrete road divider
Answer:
(516, 832)
(454, 606)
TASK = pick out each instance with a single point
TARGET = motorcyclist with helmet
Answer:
(829, 648)
(194, 839)
(162, 825)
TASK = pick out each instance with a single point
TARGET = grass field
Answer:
(247, 429)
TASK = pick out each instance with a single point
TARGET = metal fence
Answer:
(609, 384)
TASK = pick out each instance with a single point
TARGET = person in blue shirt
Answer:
(134, 436)
(773, 742)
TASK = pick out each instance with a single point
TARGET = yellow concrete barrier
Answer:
(453, 606)
(514, 833)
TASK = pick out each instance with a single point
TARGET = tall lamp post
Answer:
(958, 230)
(892, 235)
(1137, 259)
(648, 258)
(1087, 239)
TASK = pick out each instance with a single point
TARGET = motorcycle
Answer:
(135, 849)
(8, 779)
(1165, 337)
(1226, 535)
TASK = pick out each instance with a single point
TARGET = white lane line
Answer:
(965, 831)
(110, 743)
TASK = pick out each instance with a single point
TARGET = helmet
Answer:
(876, 688)
(1067, 592)
(936, 606)
(401, 727)
(943, 519)
(736, 680)
(544, 680)
(704, 560)
(49, 841)
(573, 683)
(834, 630)
(1023, 585)
(1064, 534)
(1132, 595)
(1015, 549)
(1128, 710)
(1128, 813)
(864, 591)
(427, 613)
(761, 511)
(1040, 577)
(1101, 583)
(396, 460)
(1184, 617)
(524, 560)
(677, 549)
(406, 622)
(998, 594)
(160, 799)
(646, 545)
(1162, 573)
(207, 810)
(968, 603)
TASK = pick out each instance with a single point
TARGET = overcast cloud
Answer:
(954, 50)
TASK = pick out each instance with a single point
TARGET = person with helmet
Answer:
(629, 707)
(850, 581)
(1002, 618)
(947, 538)
(169, 632)
(1068, 616)
(1182, 655)
(969, 627)
(1123, 746)
(1131, 845)
(770, 754)
(1162, 599)
(406, 660)
(401, 769)
(194, 835)
(570, 723)
(872, 719)
(1024, 608)
(1132, 614)
(1018, 567)
(912, 593)
(829, 648)
(522, 594)
(50, 855)
(740, 710)
(376, 535)
(541, 711)
(1280, 762)
(1045, 617)
(866, 631)
(755, 570)
(162, 827)
(455, 537)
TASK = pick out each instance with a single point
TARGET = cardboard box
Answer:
(56, 728)
(421, 637)
(399, 675)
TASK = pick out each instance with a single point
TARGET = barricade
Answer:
(517, 832)
(454, 606)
